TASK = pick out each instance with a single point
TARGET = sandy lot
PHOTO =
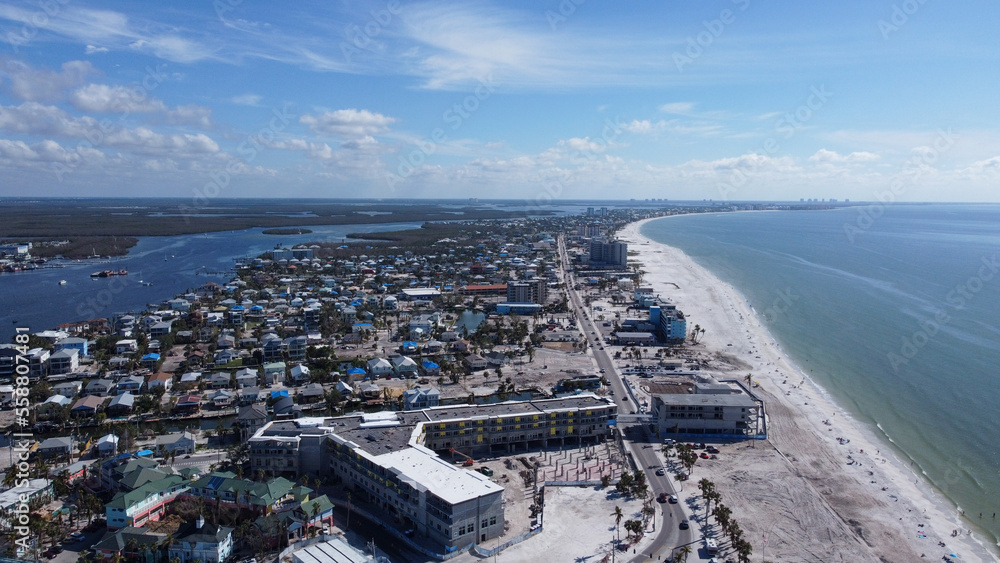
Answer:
(579, 526)
(814, 496)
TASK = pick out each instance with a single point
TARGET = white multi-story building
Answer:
(391, 458)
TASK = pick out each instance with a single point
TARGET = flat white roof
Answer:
(423, 469)
(333, 551)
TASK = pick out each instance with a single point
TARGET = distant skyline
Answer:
(571, 99)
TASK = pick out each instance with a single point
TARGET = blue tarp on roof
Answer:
(355, 371)
(151, 357)
(429, 365)
(282, 393)
(409, 344)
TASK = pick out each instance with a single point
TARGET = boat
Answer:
(62, 282)
(109, 273)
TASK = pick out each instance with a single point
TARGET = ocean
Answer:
(893, 310)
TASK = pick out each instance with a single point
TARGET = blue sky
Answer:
(721, 100)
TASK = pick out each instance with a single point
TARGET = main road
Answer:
(636, 437)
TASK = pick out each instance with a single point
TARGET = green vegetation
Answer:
(286, 231)
(166, 217)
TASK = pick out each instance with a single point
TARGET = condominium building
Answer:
(529, 291)
(391, 458)
(729, 415)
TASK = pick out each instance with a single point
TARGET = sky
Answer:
(723, 100)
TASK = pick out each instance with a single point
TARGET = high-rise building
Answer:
(529, 291)
(605, 253)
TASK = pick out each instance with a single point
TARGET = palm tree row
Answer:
(724, 516)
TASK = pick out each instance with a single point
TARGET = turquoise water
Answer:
(897, 317)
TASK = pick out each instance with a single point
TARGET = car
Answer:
(684, 525)
(672, 499)
(712, 450)
(662, 497)
(187, 456)
(661, 472)
(603, 370)
(704, 455)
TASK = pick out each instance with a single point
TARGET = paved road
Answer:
(637, 439)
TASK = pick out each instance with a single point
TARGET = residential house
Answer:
(144, 504)
(420, 398)
(295, 347)
(160, 329)
(476, 362)
(246, 377)
(497, 359)
(177, 443)
(150, 360)
(249, 395)
(100, 387)
(129, 544)
(121, 405)
(430, 369)
(107, 445)
(220, 380)
(34, 491)
(130, 384)
(225, 342)
(64, 361)
(222, 398)
(56, 447)
(74, 343)
(188, 404)
(126, 346)
(379, 367)
(251, 419)
(200, 541)
(312, 393)
(160, 379)
(271, 347)
(274, 373)
(52, 404)
(405, 367)
(87, 406)
(299, 374)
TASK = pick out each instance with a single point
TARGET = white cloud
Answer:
(28, 84)
(680, 108)
(252, 100)
(583, 145)
(102, 98)
(36, 119)
(190, 114)
(92, 50)
(348, 122)
(825, 156)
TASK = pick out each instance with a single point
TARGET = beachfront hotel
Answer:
(717, 411)
(391, 458)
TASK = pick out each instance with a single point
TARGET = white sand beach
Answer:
(822, 487)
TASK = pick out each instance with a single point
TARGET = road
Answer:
(637, 438)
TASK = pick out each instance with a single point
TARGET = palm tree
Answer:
(683, 553)
(618, 514)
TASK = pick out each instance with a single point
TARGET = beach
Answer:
(822, 487)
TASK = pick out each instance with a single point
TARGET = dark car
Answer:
(662, 497)
(712, 450)
(684, 525)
